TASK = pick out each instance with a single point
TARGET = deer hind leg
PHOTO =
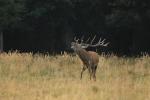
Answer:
(94, 72)
(90, 72)
(83, 69)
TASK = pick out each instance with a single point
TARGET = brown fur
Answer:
(90, 63)
(90, 59)
(94, 56)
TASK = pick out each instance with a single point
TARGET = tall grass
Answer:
(24, 76)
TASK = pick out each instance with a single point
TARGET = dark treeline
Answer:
(50, 25)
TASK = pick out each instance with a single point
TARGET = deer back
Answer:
(94, 57)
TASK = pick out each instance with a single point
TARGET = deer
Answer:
(90, 59)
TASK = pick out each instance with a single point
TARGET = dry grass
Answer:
(43, 77)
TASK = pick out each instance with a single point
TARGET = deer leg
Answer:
(83, 69)
(90, 75)
(94, 72)
(90, 72)
(94, 77)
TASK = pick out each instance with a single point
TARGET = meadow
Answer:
(27, 76)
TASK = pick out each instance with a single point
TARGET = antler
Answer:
(82, 39)
(76, 40)
(93, 39)
(100, 43)
(85, 45)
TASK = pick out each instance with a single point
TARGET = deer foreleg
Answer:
(83, 69)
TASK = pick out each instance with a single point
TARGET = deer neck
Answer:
(84, 56)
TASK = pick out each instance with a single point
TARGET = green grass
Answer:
(24, 76)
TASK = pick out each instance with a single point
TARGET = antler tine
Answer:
(76, 40)
(87, 40)
(106, 44)
(99, 41)
(93, 39)
(102, 42)
(82, 39)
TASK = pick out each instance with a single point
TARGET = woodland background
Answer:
(50, 25)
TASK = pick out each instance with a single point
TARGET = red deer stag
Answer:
(90, 59)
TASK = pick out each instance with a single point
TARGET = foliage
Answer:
(10, 13)
(88, 14)
(50, 20)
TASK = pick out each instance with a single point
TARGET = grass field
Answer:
(24, 76)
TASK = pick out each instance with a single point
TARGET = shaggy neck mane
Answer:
(83, 54)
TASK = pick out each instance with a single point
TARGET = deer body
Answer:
(90, 62)
(90, 59)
